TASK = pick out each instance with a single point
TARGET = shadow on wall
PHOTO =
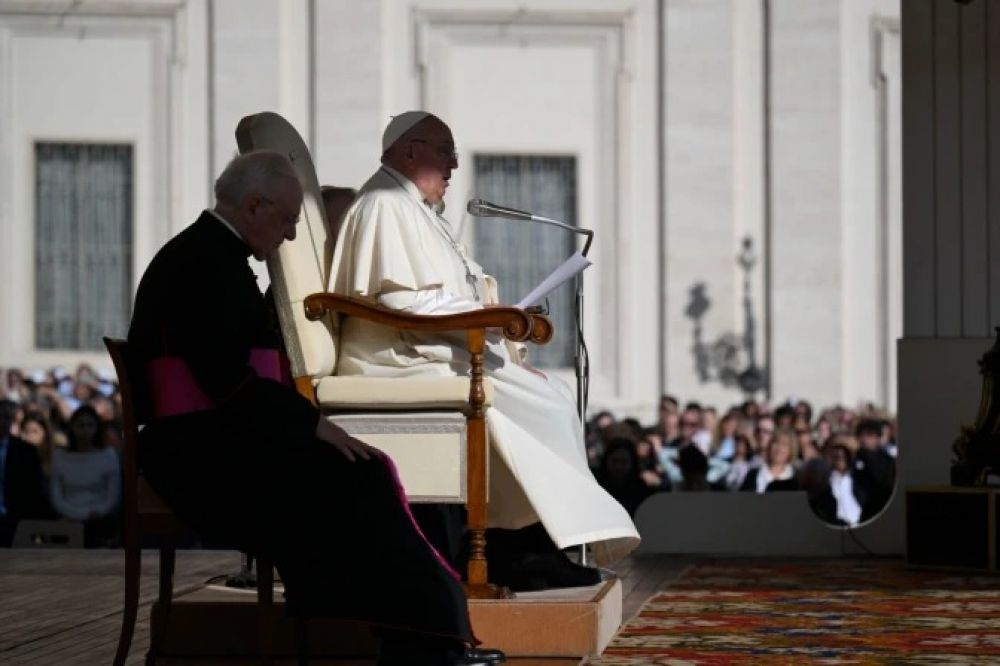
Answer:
(731, 358)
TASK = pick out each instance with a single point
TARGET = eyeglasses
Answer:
(444, 152)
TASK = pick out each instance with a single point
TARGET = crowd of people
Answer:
(60, 445)
(844, 459)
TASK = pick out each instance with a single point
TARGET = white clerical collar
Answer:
(412, 188)
(225, 222)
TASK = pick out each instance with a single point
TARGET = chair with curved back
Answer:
(433, 428)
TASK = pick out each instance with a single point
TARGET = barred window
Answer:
(519, 255)
(83, 243)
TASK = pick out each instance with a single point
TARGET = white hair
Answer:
(258, 172)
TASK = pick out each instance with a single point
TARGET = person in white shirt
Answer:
(842, 486)
(777, 473)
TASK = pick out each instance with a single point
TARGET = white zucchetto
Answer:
(400, 125)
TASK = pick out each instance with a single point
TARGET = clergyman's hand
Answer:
(349, 447)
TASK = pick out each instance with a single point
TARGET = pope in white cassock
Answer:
(395, 248)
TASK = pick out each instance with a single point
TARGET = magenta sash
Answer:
(174, 390)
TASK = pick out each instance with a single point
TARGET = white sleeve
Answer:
(427, 302)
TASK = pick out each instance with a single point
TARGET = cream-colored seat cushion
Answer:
(356, 392)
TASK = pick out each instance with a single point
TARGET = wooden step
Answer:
(213, 620)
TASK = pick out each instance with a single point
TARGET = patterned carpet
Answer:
(813, 612)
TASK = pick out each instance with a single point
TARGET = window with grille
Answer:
(519, 255)
(83, 243)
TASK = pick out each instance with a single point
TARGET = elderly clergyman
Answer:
(245, 460)
(397, 249)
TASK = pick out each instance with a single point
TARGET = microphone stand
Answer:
(581, 360)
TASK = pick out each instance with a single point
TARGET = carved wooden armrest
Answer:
(516, 324)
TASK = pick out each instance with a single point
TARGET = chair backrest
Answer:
(133, 414)
(300, 267)
(138, 498)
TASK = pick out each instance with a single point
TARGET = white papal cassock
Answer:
(395, 249)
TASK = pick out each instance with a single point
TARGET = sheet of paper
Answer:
(564, 272)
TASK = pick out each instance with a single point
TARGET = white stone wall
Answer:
(108, 74)
(577, 76)
(701, 186)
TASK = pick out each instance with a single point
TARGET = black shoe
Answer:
(417, 651)
(480, 657)
(554, 569)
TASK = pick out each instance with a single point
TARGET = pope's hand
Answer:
(349, 447)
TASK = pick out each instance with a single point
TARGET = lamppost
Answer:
(753, 378)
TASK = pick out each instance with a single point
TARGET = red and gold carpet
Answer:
(813, 612)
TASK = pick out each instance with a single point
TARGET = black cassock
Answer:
(251, 471)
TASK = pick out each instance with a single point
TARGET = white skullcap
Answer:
(400, 125)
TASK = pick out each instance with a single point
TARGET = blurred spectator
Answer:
(849, 497)
(807, 447)
(669, 419)
(803, 410)
(777, 472)
(750, 410)
(86, 479)
(22, 489)
(724, 442)
(889, 437)
(824, 431)
(690, 426)
(110, 436)
(784, 416)
(694, 469)
(874, 467)
(650, 469)
(742, 462)
(763, 432)
(814, 478)
(619, 475)
(36, 430)
(710, 421)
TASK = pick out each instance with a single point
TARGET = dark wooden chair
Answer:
(146, 515)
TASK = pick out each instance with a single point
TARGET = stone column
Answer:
(951, 224)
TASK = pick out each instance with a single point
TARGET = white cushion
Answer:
(356, 392)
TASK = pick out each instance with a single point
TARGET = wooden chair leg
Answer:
(165, 597)
(477, 585)
(301, 641)
(133, 562)
(265, 610)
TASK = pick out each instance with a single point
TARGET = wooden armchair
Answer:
(433, 428)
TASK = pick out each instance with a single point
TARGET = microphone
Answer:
(482, 208)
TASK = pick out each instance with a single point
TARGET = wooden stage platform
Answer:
(64, 606)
